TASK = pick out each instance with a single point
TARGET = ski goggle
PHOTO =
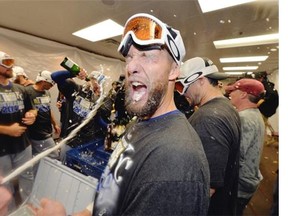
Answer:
(182, 84)
(146, 30)
(7, 63)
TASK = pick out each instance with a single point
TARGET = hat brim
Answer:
(217, 76)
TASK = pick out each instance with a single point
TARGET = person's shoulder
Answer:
(18, 87)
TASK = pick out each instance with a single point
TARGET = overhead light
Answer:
(240, 68)
(247, 41)
(243, 59)
(100, 31)
(212, 5)
(234, 73)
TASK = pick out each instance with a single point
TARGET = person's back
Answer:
(252, 144)
(244, 95)
(218, 125)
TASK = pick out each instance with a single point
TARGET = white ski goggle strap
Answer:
(146, 30)
(7, 63)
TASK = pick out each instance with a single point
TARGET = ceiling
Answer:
(57, 20)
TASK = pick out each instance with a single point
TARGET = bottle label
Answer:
(69, 63)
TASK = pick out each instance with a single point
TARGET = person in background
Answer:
(159, 166)
(79, 102)
(20, 77)
(16, 114)
(218, 124)
(41, 132)
(244, 95)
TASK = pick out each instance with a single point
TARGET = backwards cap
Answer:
(251, 86)
(197, 67)
(45, 76)
(19, 71)
(97, 75)
(148, 33)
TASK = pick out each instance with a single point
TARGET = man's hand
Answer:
(29, 118)
(5, 198)
(14, 130)
(82, 74)
(50, 208)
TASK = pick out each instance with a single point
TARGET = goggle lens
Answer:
(144, 28)
(8, 63)
(180, 87)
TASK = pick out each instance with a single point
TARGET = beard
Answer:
(7, 74)
(154, 99)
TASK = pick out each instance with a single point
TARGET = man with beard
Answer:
(159, 166)
(16, 113)
(218, 124)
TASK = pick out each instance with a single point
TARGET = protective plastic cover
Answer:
(58, 182)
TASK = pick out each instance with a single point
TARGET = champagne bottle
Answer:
(71, 66)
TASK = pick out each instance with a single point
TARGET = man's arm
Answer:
(5, 198)
(51, 208)
(54, 123)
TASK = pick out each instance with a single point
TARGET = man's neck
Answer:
(246, 105)
(215, 93)
(4, 81)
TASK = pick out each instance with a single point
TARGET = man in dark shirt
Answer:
(16, 113)
(159, 166)
(218, 124)
(41, 132)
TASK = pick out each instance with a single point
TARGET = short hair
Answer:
(213, 82)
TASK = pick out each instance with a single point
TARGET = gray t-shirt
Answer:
(161, 171)
(252, 140)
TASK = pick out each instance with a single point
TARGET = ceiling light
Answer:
(100, 31)
(234, 73)
(247, 41)
(211, 5)
(243, 59)
(240, 68)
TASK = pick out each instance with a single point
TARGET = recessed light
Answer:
(234, 73)
(243, 59)
(240, 68)
(100, 31)
(211, 5)
(247, 41)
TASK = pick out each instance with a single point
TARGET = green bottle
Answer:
(71, 66)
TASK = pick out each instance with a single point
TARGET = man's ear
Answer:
(243, 94)
(175, 72)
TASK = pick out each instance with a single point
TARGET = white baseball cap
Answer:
(45, 76)
(195, 68)
(97, 75)
(19, 71)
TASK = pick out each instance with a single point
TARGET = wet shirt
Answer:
(252, 140)
(155, 170)
(42, 127)
(14, 103)
(217, 123)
